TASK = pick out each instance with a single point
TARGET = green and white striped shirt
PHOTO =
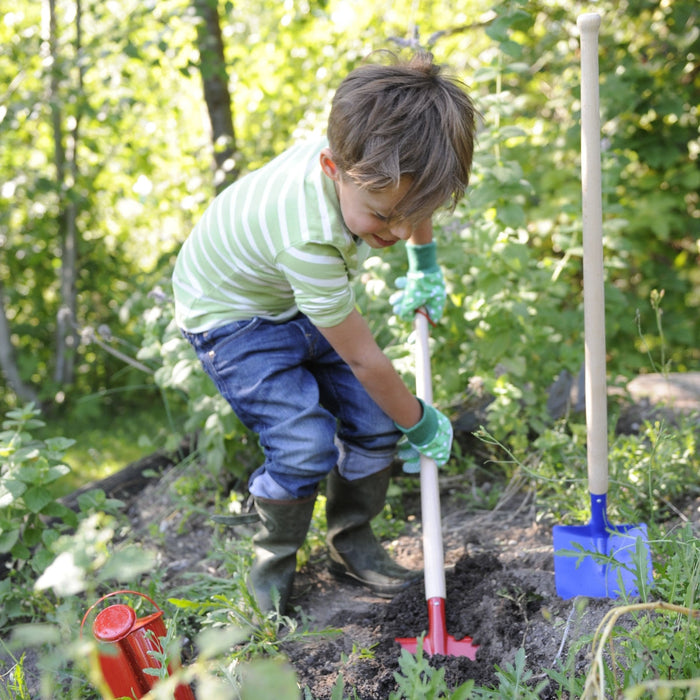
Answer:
(270, 245)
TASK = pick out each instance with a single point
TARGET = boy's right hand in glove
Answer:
(430, 436)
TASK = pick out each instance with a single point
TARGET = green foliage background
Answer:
(511, 252)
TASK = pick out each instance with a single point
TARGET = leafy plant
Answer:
(13, 685)
(557, 467)
(646, 652)
(29, 467)
(417, 679)
(30, 519)
(514, 681)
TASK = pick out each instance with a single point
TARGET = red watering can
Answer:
(125, 643)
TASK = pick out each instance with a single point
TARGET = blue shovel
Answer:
(598, 560)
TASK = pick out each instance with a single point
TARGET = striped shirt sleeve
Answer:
(319, 278)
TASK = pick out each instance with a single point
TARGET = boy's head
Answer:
(404, 120)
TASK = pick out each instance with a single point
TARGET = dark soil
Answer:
(499, 591)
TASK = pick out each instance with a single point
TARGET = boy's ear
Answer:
(328, 164)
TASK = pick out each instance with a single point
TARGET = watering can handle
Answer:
(593, 269)
(110, 595)
(433, 555)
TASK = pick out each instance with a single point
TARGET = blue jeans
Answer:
(285, 382)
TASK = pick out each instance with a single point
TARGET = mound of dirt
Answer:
(499, 591)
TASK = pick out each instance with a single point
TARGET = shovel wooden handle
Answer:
(593, 271)
(433, 556)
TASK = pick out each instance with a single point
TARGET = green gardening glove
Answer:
(423, 285)
(431, 436)
(409, 455)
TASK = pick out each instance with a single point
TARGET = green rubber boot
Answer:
(355, 551)
(283, 529)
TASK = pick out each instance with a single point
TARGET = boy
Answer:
(262, 291)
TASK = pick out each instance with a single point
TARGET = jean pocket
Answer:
(206, 342)
(224, 340)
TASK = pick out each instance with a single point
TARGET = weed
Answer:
(418, 680)
(13, 685)
(647, 650)
(655, 298)
(514, 681)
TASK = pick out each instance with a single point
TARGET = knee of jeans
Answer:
(296, 470)
(355, 462)
(383, 436)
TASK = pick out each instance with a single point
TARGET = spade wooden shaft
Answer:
(593, 276)
(433, 557)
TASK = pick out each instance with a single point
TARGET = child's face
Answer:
(367, 214)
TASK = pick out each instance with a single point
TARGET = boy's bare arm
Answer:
(353, 341)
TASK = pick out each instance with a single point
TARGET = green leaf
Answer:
(59, 444)
(58, 510)
(498, 29)
(510, 132)
(463, 692)
(10, 491)
(511, 48)
(485, 74)
(181, 371)
(512, 215)
(30, 474)
(8, 539)
(56, 473)
(21, 551)
(42, 559)
(32, 535)
(517, 366)
(26, 454)
(37, 498)
(507, 173)
(184, 604)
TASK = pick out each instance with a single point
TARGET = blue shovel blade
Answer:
(600, 562)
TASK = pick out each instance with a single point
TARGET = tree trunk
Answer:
(212, 67)
(8, 363)
(66, 175)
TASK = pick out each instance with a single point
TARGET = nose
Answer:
(401, 230)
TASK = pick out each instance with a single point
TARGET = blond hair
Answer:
(405, 119)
